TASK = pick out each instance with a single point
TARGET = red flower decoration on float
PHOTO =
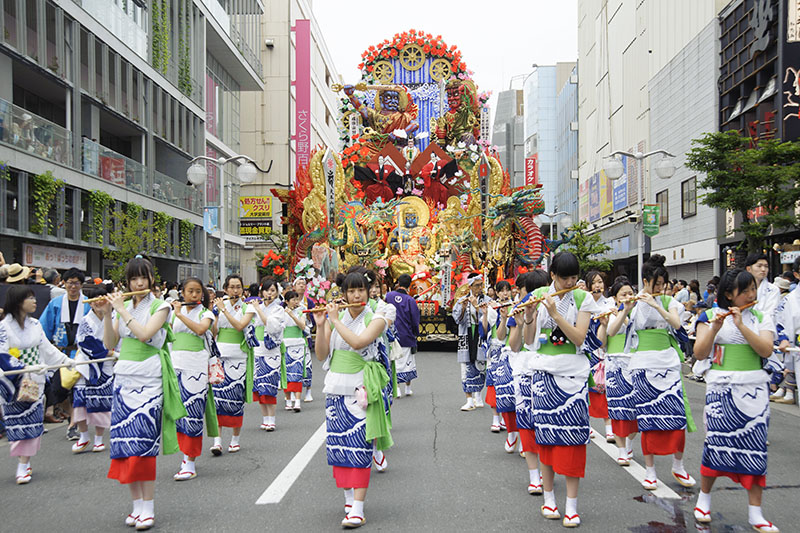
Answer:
(432, 46)
(278, 270)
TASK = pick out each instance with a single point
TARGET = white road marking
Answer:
(281, 485)
(635, 469)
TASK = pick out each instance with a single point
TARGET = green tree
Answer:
(741, 178)
(588, 248)
(127, 236)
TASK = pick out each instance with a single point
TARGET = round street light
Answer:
(246, 173)
(665, 168)
(566, 221)
(613, 168)
(196, 174)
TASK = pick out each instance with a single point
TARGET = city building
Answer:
(508, 134)
(567, 144)
(759, 93)
(622, 48)
(268, 117)
(103, 103)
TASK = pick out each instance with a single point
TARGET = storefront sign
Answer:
(621, 187)
(651, 217)
(52, 257)
(531, 170)
(255, 228)
(787, 258)
(302, 91)
(606, 195)
(594, 198)
(789, 73)
(255, 207)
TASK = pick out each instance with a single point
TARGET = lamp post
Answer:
(552, 216)
(197, 175)
(614, 169)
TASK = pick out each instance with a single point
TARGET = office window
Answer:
(662, 199)
(689, 198)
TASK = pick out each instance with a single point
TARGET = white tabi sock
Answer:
(234, 440)
(217, 441)
(271, 420)
(408, 387)
(609, 431)
(495, 420)
(677, 466)
(349, 496)
(84, 436)
(98, 440)
(188, 466)
(137, 507)
(534, 476)
(22, 469)
(754, 515)
(357, 509)
(148, 509)
(628, 445)
(704, 502)
(550, 499)
(623, 453)
(378, 455)
(650, 473)
(572, 507)
(265, 420)
(471, 401)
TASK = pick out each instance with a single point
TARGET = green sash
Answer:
(212, 424)
(234, 336)
(394, 379)
(662, 339)
(133, 349)
(375, 379)
(188, 342)
(552, 349)
(616, 343)
(738, 358)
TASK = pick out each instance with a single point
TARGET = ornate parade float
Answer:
(416, 188)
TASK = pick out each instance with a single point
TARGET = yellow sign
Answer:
(255, 207)
(606, 195)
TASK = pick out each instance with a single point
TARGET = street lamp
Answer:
(614, 169)
(567, 220)
(245, 173)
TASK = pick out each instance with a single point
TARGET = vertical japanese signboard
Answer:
(531, 170)
(789, 74)
(621, 187)
(302, 92)
(594, 198)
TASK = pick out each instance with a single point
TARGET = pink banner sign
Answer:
(302, 87)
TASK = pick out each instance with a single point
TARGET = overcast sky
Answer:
(498, 39)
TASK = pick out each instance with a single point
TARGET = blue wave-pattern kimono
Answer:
(138, 393)
(229, 396)
(656, 373)
(473, 365)
(736, 413)
(25, 420)
(346, 443)
(191, 367)
(560, 374)
(94, 388)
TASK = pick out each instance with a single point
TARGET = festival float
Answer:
(416, 188)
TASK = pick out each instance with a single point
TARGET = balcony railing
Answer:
(110, 166)
(174, 192)
(120, 23)
(29, 132)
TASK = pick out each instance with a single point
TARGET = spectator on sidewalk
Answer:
(768, 294)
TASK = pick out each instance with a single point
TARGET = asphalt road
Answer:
(447, 472)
